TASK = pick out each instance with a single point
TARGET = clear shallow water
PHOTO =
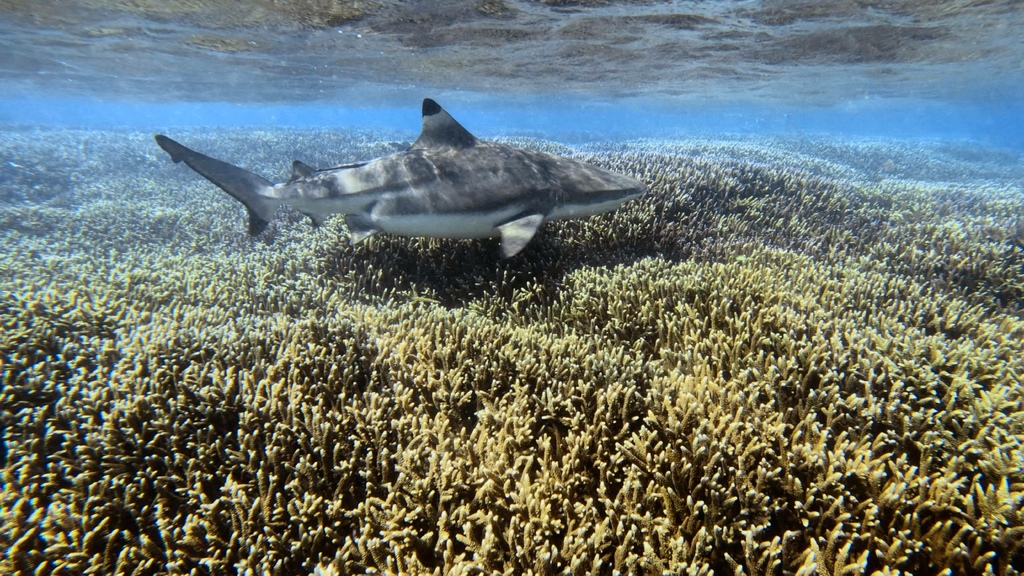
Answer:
(905, 70)
(799, 352)
(993, 124)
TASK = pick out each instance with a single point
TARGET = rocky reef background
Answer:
(791, 357)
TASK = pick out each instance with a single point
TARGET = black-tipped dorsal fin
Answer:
(300, 170)
(440, 129)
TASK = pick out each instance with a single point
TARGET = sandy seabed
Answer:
(798, 356)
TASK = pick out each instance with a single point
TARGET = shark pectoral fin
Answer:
(359, 228)
(515, 235)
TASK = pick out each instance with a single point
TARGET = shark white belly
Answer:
(442, 225)
(447, 185)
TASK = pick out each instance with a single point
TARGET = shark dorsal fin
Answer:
(300, 170)
(440, 129)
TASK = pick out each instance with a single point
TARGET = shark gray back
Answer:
(448, 184)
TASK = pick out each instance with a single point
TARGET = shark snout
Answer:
(623, 196)
(632, 189)
(639, 190)
(595, 202)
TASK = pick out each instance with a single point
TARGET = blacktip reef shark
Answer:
(448, 184)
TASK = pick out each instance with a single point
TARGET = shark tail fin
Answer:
(252, 190)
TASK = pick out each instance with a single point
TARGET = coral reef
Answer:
(783, 360)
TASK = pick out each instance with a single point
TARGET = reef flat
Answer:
(791, 357)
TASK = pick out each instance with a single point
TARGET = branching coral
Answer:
(756, 368)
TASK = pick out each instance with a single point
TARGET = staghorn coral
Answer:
(775, 363)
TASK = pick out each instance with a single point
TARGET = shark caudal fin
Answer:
(248, 188)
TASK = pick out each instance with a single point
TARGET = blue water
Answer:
(936, 70)
(996, 123)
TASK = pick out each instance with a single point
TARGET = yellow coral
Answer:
(757, 368)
